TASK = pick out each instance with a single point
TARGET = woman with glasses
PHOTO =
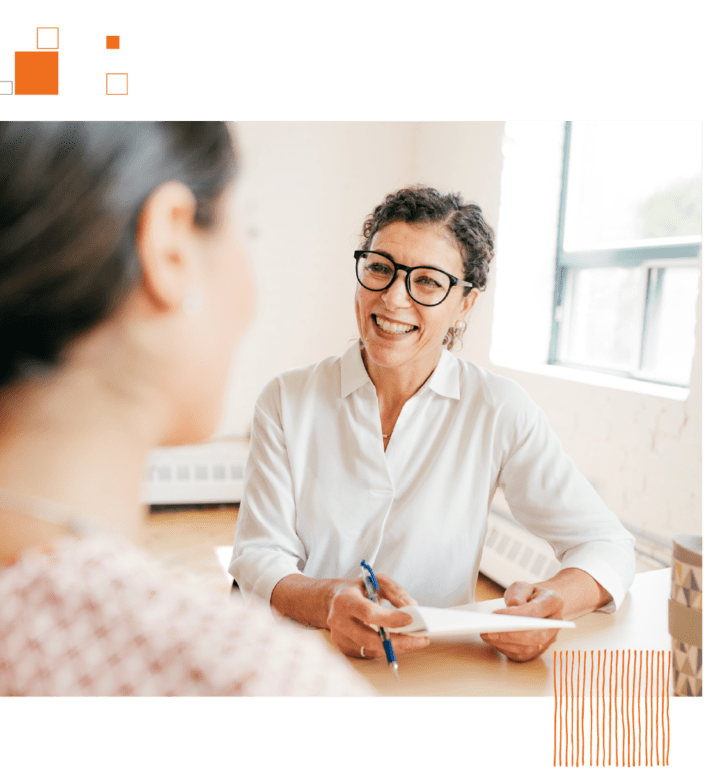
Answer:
(393, 451)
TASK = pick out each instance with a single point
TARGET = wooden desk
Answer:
(474, 669)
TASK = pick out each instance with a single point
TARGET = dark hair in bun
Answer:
(70, 199)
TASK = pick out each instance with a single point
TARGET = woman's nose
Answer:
(396, 295)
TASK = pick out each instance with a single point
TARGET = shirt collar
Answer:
(444, 380)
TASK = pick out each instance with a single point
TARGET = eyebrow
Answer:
(428, 266)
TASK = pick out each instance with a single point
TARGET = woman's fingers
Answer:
(352, 613)
(393, 592)
(523, 599)
(352, 643)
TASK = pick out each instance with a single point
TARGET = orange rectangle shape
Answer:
(36, 73)
(112, 41)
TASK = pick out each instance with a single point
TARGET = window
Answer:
(629, 238)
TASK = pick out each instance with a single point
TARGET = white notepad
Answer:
(467, 621)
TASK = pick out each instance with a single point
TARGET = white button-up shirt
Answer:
(320, 493)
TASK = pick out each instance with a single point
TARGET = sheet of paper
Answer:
(465, 622)
(224, 555)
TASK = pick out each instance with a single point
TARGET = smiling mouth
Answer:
(396, 328)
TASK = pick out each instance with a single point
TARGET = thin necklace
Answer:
(364, 362)
(47, 511)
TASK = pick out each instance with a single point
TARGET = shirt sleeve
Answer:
(552, 499)
(266, 547)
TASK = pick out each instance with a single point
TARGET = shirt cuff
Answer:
(264, 584)
(603, 573)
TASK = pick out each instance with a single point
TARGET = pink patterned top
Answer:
(95, 617)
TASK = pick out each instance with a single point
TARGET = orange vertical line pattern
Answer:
(576, 713)
(604, 721)
(623, 718)
(662, 713)
(560, 750)
(591, 708)
(659, 709)
(669, 664)
(596, 691)
(661, 704)
(554, 683)
(629, 703)
(640, 729)
(615, 696)
(611, 677)
(628, 711)
(581, 705)
(584, 684)
(645, 713)
(651, 707)
(623, 722)
(571, 734)
(598, 672)
(603, 708)
(633, 706)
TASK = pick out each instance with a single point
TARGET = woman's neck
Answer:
(395, 386)
(78, 441)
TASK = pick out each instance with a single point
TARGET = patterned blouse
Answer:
(95, 617)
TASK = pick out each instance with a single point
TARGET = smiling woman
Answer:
(392, 453)
(461, 226)
(401, 337)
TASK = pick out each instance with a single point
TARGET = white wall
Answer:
(308, 188)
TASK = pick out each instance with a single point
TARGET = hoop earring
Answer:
(454, 334)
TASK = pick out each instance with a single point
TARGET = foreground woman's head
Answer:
(127, 225)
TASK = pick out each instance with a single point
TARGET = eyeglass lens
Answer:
(426, 285)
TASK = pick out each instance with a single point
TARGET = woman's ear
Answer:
(467, 303)
(166, 240)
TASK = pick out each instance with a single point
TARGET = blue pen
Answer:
(372, 587)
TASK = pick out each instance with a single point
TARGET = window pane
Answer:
(670, 337)
(602, 318)
(631, 181)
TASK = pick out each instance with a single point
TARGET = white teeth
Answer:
(393, 327)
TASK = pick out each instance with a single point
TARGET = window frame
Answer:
(655, 253)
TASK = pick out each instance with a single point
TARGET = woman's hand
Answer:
(523, 599)
(352, 613)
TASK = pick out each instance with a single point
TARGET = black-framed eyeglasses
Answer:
(425, 285)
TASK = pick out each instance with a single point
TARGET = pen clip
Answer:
(369, 570)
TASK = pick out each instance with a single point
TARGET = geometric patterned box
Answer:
(685, 615)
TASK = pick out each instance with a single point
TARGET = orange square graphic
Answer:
(53, 48)
(108, 92)
(112, 41)
(37, 73)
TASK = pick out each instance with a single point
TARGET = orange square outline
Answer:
(57, 39)
(108, 39)
(127, 83)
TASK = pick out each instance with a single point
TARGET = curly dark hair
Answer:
(70, 199)
(425, 205)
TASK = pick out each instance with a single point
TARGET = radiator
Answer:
(511, 553)
(208, 473)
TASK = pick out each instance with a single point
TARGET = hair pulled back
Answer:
(70, 199)
(425, 205)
